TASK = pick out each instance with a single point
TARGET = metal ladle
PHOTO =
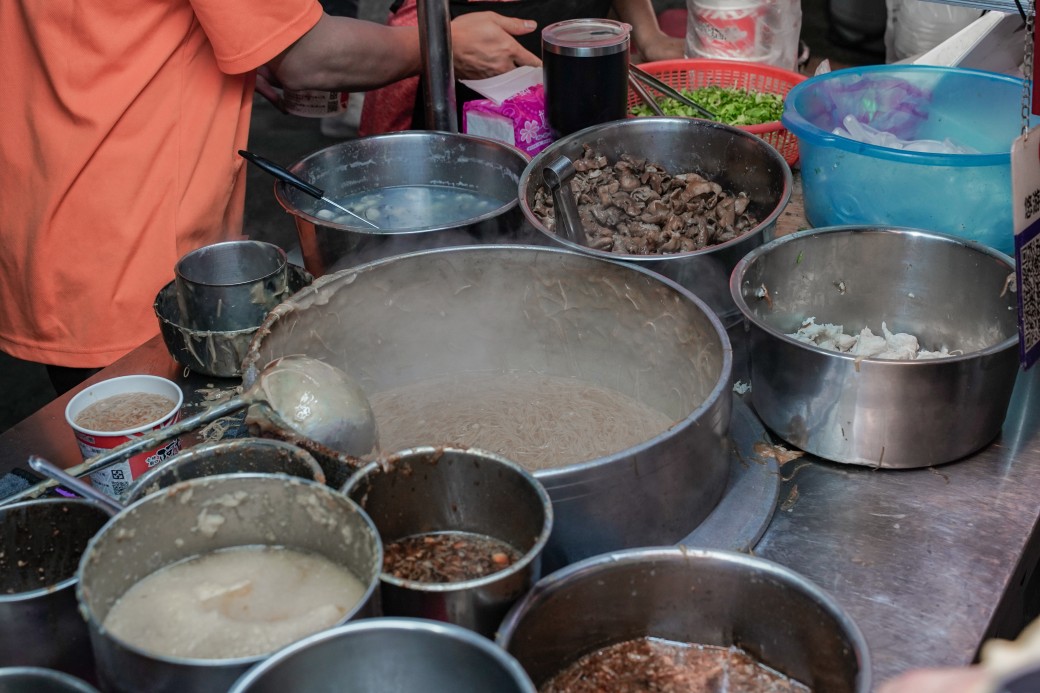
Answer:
(557, 176)
(318, 401)
(283, 174)
(59, 475)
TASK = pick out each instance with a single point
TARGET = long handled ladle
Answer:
(283, 174)
(318, 401)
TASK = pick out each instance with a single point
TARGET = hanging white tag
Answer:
(1025, 190)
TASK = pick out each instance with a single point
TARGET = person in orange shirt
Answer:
(118, 145)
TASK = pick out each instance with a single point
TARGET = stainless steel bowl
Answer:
(255, 455)
(41, 542)
(900, 414)
(164, 528)
(40, 680)
(443, 489)
(718, 598)
(217, 353)
(397, 159)
(231, 285)
(494, 309)
(737, 160)
(377, 655)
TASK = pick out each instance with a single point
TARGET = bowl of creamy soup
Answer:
(608, 382)
(189, 587)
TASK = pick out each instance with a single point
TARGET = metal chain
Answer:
(1027, 68)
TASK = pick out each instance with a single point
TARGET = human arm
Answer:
(653, 44)
(949, 680)
(344, 54)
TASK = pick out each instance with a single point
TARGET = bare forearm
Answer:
(646, 32)
(343, 54)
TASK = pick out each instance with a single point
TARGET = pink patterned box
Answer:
(518, 120)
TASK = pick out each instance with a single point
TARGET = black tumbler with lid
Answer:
(585, 70)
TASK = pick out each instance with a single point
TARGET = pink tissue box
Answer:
(518, 120)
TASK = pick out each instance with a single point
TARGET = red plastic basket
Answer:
(693, 73)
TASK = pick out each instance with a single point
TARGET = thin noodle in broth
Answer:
(536, 420)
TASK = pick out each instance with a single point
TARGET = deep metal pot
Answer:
(40, 680)
(404, 158)
(442, 489)
(719, 598)
(517, 308)
(41, 542)
(217, 353)
(163, 528)
(874, 412)
(377, 655)
(737, 160)
(257, 455)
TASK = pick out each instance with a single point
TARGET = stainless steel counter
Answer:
(928, 562)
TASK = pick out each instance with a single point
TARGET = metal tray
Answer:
(741, 517)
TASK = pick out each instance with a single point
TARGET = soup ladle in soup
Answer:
(317, 401)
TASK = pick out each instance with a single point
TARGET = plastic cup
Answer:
(314, 103)
(729, 28)
(116, 479)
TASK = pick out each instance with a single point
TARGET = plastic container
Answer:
(758, 31)
(849, 182)
(692, 74)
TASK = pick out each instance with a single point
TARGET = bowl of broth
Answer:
(417, 189)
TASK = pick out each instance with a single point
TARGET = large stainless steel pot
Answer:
(424, 158)
(379, 655)
(168, 526)
(39, 680)
(737, 160)
(444, 489)
(514, 308)
(257, 455)
(41, 542)
(718, 598)
(881, 413)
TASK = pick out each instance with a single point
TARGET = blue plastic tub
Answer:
(848, 182)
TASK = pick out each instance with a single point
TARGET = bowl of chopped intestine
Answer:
(682, 197)
(879, 346)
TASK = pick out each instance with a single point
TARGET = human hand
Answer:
(949, 680)
(266, 87)
(660, 46)
(482, 44)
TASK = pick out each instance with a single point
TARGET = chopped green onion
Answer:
(732, 106)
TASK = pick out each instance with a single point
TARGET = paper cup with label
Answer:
(728, 28)
(314, 103)
(114, 411)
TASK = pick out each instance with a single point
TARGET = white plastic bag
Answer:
(917, 26)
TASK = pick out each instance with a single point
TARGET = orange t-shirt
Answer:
(119, 132)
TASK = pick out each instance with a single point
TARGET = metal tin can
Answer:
(585, 70)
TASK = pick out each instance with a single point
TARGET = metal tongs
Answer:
(637, 77)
